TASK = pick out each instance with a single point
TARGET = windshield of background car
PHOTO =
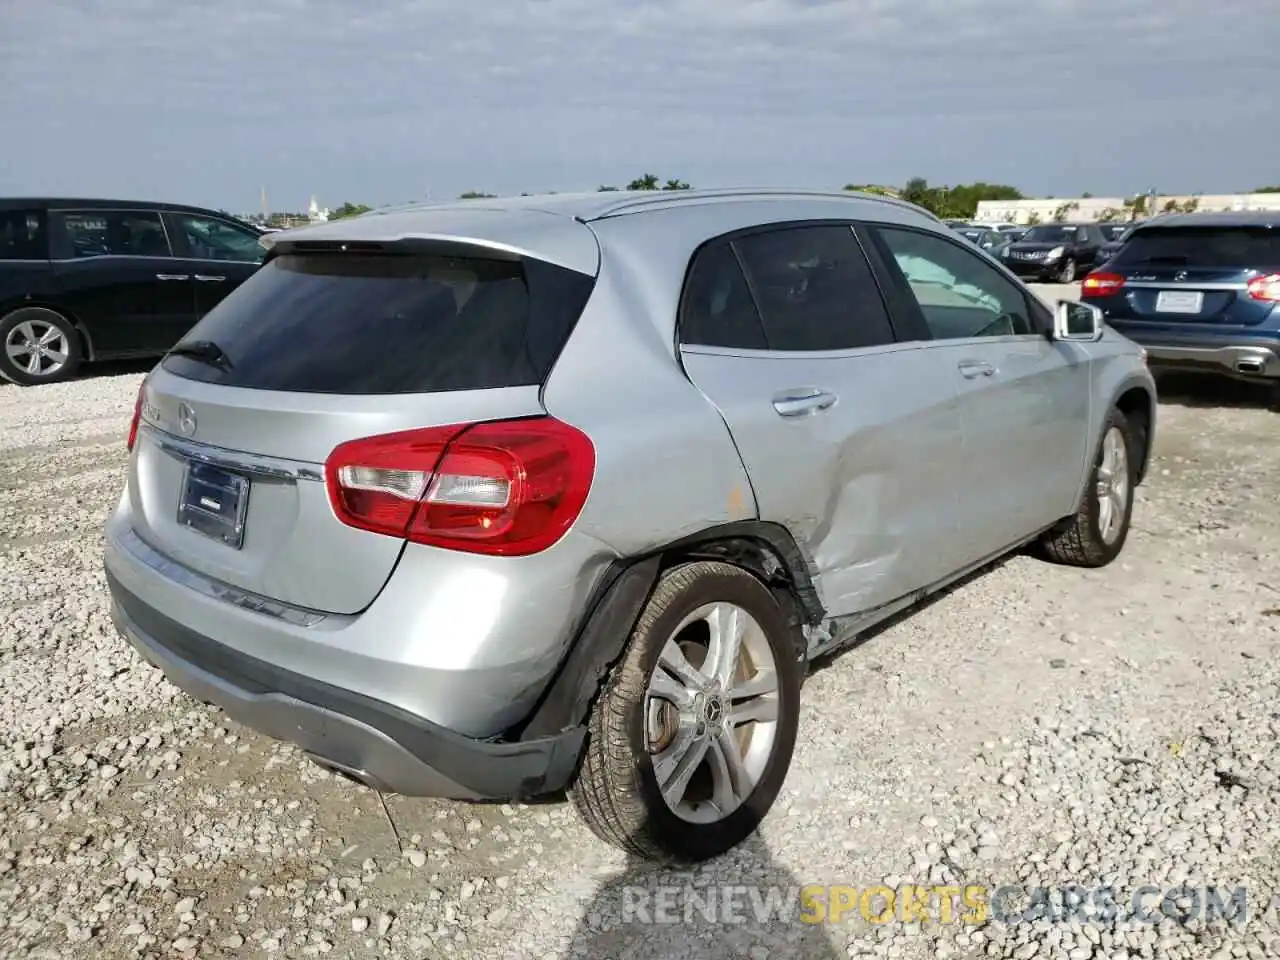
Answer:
(1050, 234)
(1235, 247)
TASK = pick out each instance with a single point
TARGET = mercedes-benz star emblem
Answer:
(1180, 275)
(186, 419)
(713, 711)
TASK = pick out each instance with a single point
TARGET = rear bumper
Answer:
(1239, 356)
(377, 743)
(468, 644)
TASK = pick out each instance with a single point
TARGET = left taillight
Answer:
(1100, 283)
(137, 414)
(503, 488)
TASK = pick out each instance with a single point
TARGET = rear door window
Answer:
(389, 324)
(113, 233)
(814, 289)
(23, 235)
(1230, 247)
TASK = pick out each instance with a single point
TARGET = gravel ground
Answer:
(1038, 727)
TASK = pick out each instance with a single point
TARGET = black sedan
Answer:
(1057, 252)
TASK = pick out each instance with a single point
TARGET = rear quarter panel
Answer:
(666, 466)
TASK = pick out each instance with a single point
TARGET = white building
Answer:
(1086, 209)
(315, 214)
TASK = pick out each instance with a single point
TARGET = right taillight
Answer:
(137, 415)
(505, 488)
(1100, 284)
(1266, 288)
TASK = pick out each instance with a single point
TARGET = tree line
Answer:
(959, 202)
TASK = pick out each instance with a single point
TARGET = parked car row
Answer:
(88, 279)
(84, 280)
(1047, 252)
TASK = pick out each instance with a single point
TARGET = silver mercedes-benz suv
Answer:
(493, 498)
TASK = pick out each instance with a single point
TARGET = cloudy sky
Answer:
(381, 101)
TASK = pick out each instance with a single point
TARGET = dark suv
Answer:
(1054, 251)
(84, 280)
(1199, 291)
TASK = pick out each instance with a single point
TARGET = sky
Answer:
(385, 101)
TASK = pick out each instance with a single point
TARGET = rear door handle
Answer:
(173, 276)
(975, 368)
(206, 277)
(801, 402)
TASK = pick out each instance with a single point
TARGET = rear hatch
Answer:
(327, 343)
(1195, 274)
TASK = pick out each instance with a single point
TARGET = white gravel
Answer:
(1038, 726)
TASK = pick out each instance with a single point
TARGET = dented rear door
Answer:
(848, 437)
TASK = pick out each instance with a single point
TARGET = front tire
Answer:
(38, 345)
(1096, 534)
(691, 739)
(1067, 274)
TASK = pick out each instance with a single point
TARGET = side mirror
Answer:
(1077, 321)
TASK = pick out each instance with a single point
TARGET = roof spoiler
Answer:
(420, 246)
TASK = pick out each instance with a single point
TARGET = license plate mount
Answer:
(214, 502)
(1179, 301)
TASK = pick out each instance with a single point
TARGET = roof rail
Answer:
(407, 205)
(634, 202)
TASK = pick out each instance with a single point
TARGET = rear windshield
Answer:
(379, 323)
(1237, 247)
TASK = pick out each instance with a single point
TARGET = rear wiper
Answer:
(204, 350)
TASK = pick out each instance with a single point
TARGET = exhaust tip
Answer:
(1249, 366)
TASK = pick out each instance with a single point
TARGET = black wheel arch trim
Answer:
(1131, 382)
(622, 593)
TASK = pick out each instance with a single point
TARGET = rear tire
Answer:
(636, 733)
(1096, 534)
(38, 345)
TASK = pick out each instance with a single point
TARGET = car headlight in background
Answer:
(1055, 253)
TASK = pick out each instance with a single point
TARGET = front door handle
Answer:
(975, 368)
(173, 276)
(206, 277)
(799, 403)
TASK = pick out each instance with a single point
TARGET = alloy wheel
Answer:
(1112, 485)
(711, 712)
(37, 347)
